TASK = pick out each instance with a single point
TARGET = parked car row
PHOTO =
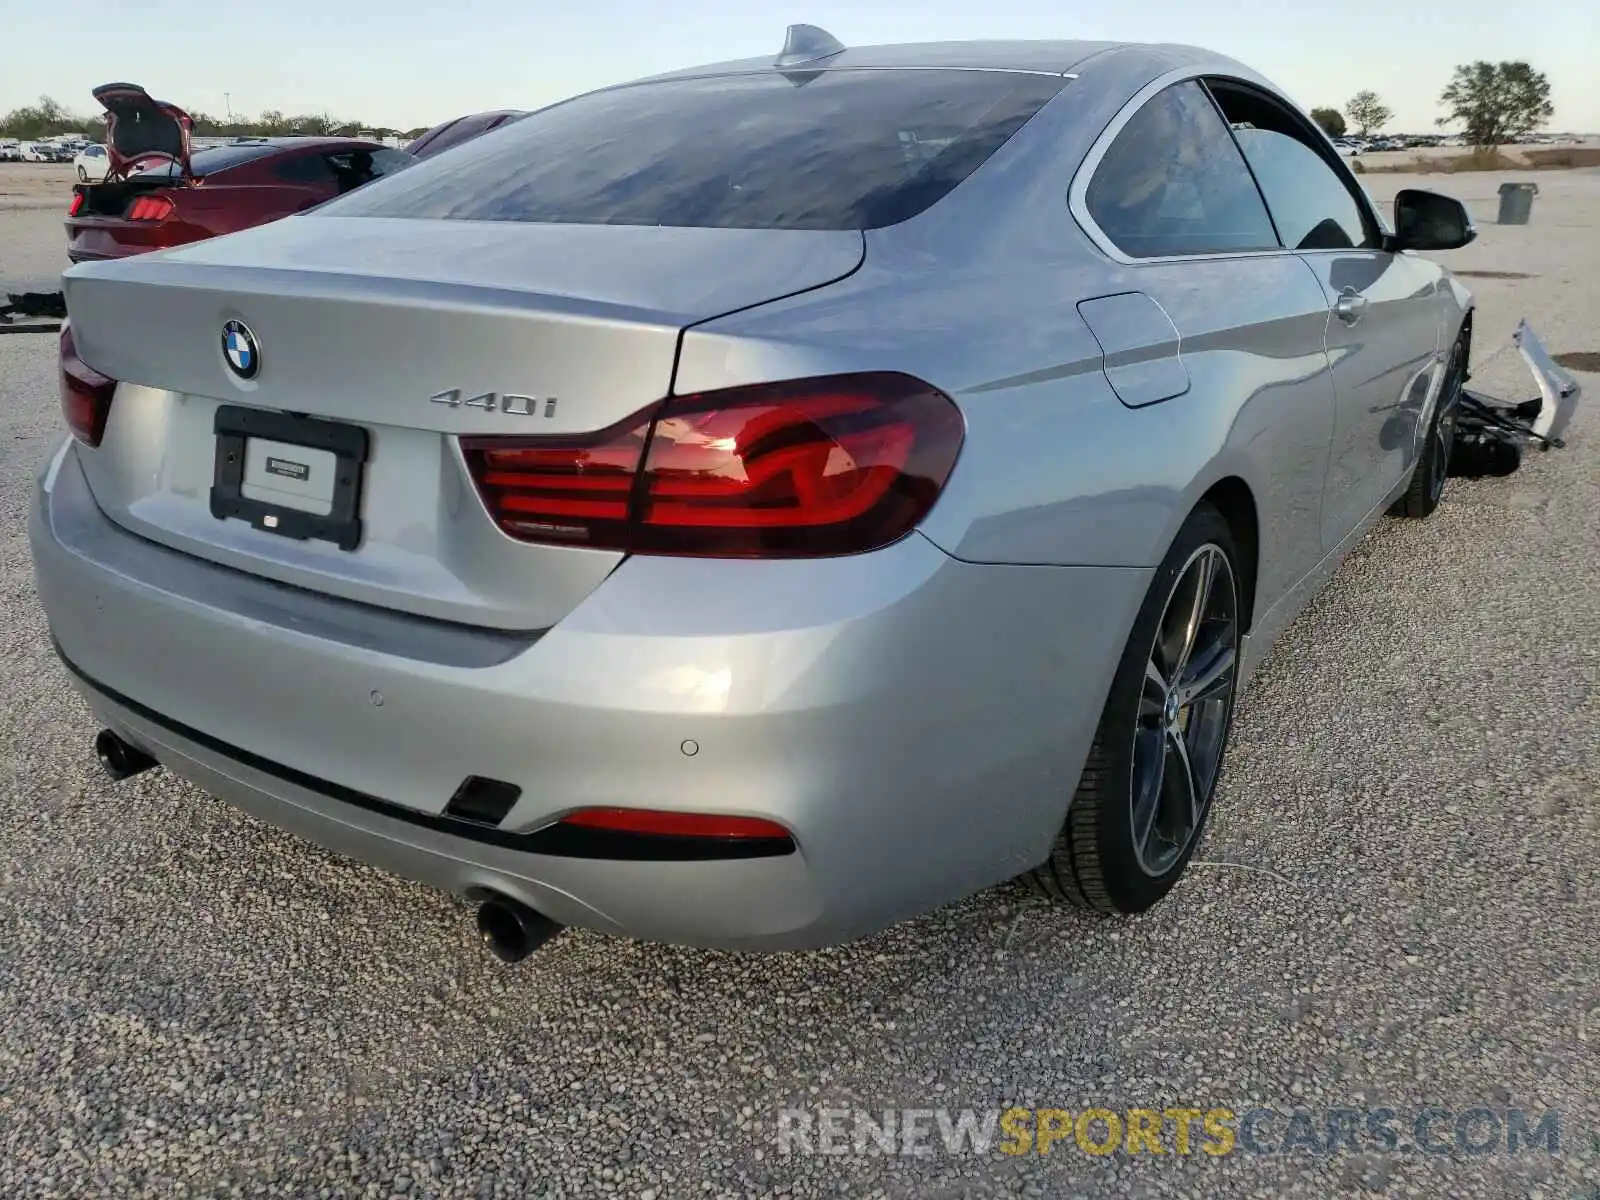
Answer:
(12, 150)
(1350, 147)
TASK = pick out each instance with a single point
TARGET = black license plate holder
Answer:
(235, 426)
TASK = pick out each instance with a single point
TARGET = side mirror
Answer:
(1429, 221)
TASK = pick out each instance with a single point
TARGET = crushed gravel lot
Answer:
(1397, 907)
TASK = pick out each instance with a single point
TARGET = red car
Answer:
(461, 129)
(159, 193)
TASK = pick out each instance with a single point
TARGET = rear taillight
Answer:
(658, 823)
(828, 466)
(76, 206)
(85, 393)
(149, 208)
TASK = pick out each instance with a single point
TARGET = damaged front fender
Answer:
(1490, 434)
(1558, 390)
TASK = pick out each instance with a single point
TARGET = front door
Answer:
(1382, 345)
(1382, 328)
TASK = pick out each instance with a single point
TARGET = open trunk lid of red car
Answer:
(138, 127)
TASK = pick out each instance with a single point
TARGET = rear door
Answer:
(1383, 328)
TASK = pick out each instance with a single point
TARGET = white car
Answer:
(36, 152)
(92, 164)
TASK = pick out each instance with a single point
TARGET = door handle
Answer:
(1350, 305)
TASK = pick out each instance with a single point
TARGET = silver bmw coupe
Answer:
(753, 505)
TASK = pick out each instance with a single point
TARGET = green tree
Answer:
(311, 123)
(49, 117)
(1497, 102)
(44, 119)
(1368, 112)
(1331, 120)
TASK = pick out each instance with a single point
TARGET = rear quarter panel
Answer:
(227, 208)
(1055, 469)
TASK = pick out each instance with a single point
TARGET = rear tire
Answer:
(83, 176)
(1426, 489)
(1146, 788)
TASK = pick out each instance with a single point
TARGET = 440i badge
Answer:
(506, 402)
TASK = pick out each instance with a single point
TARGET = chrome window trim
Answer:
(1078, 189)
(1341, 172)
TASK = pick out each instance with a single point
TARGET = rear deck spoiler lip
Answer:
(130, 97)
(1558, 390)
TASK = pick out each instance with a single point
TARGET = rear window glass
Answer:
(220, 158)
(835, 150)
(208, 162)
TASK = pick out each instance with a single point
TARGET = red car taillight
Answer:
(149, 208)
(658, 823)
(85, 393)
(837, 465)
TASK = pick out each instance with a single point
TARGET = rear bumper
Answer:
(918, 722)
(101, 240)
(101, 247)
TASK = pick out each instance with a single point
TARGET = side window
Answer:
(304, 169)
(390, 160)
(1313, 206)
(1172, 182)
(352, 168)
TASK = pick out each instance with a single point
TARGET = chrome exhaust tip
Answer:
(119, 758)
(511, 930)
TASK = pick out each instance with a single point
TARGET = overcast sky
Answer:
(407, 63)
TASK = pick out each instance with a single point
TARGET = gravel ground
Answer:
(33, 245)
(1397, 907)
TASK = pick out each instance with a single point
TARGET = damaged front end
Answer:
(1490, 434)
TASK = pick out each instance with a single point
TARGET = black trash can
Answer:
(1516, 202)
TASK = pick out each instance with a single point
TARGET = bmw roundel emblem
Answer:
(240, 349)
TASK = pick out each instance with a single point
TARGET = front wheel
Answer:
(1426, 489)
(1146, 788)
(83, 176)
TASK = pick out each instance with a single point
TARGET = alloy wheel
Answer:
(1184, 710)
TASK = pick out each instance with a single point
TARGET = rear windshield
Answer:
(208, 162)
(834, 150)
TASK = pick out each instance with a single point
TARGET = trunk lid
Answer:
(138, 126)
(366, 321)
